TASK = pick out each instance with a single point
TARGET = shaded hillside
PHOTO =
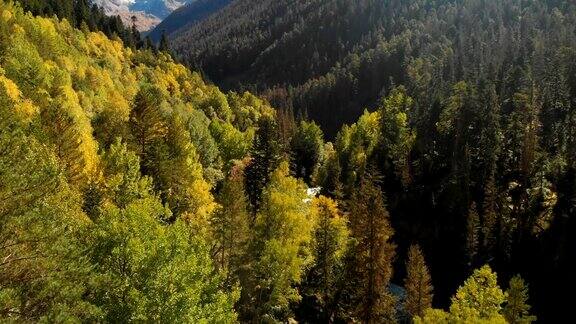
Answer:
(187, 16)
(332, 58)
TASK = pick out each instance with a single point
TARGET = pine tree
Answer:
(179, 174)
(397, 138)
(265, 156)
(472, 234)
(417, 283)
(371, 267)
(516, 309)
(331, 239)
(147, 123)
(231, 227)
(70, 132)
(306, 148)
(164, 45)
(489, 217)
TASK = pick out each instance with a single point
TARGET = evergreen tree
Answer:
(265, 156)
(417, 283)
(472, 234)
(147, 123)
(330, 243)
(231, 227)
(164, 45)
(489, 217)
(306, 148)
(179, 175)
(372, 255)
(150, 45)
(397, 138)
(516, 310)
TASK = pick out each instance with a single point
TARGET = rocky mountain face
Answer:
(146, 14)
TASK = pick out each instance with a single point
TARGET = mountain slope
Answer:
(330, 59)
(187, 16)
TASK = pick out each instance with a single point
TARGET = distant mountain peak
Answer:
(148, 13)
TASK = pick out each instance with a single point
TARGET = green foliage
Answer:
(150, 271)
(479, 300)
(356, 145)
(124, 183)
(44, 272)
(330, 245)
(397, 137)
(265, 157)
(280, 250)
(306, 148)
(88, 126)
(230, 226)
(472, 234)
(479, 297)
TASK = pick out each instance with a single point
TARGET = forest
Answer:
(433, 181)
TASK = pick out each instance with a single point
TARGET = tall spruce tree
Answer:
(231, 227)
(265, 156)
(371, 267)
(472, 235)
(330, 244)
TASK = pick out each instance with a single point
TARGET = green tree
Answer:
(124, 183)
(472, 234)
(371, 267)
(417, 283)
(44, 272)
(489, 217)
(280, 249)
(231, 227)
(397, 138)
(180, 176)
(330, 244)
(265, 156)
(306, 148)
(164, 45)
(150, 271)
(516, 309)
(480, 297)
(147, 123)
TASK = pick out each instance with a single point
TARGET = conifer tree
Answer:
(164, 46)
(231, 226)
(70, 132)
(397, 138)
(147, 123)
(265, 156)
(417, 283)
(516, 310)
(331, 240)
(472, 234)
(306, 148)
(180, 176)
(489, 217)
(372, 255)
